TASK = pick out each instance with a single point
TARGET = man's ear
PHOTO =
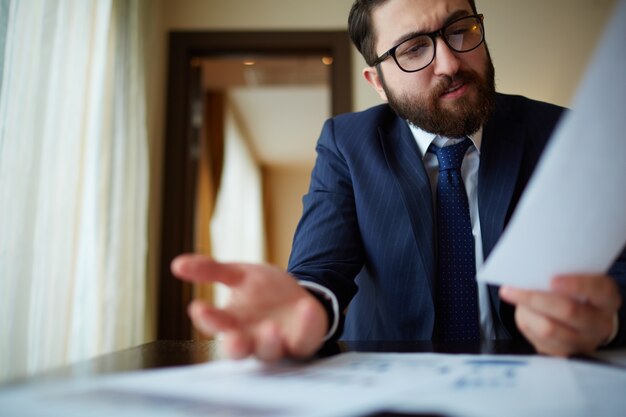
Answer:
(373, 78)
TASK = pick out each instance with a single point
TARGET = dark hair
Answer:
(361, 30)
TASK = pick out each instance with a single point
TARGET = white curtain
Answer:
(73, 182)
(237, 227)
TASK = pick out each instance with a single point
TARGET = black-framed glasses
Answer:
(416, 53)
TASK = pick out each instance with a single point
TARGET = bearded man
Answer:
(406, 200)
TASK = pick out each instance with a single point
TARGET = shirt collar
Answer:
(425, 139)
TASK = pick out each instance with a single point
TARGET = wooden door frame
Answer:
(179, 165)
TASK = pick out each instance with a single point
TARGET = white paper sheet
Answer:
(347, 385)
(572, 217)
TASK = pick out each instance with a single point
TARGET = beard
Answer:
(466, 115)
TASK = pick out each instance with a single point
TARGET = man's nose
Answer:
(446, 61)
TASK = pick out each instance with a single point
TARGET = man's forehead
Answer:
(396, 19)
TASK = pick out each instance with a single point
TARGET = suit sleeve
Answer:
(327, 247)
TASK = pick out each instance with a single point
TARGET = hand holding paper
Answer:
(572, 217)
(577, 316)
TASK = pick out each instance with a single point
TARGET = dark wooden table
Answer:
(164, 353)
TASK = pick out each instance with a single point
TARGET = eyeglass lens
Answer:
(461, 36)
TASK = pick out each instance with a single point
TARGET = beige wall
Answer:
(284, 188)
(540, 49)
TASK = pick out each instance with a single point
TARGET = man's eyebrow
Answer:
(455, 15)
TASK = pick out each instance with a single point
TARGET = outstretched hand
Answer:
(269, 315)
(577, 315)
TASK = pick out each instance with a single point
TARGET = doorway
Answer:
(189, 55)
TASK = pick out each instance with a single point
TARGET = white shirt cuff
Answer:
(328, 295)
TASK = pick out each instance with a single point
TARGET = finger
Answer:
(268, 343)
(518, 296)
(199, 268)
(540, 301)
(308, 328)
(587, 326)
(575, 314)
(512, 295)
(237, 345)
(599, 290)
(211, 321)
(549, 336)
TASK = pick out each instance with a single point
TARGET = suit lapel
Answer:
(405, 161)
(501, 155)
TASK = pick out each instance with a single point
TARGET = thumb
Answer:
(307, 327)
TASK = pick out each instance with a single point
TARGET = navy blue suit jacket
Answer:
(368, 228)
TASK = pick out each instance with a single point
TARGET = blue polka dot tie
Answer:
(457, 295)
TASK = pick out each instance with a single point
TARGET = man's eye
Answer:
(458, 31)
(415, 49)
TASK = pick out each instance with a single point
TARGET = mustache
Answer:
(461, 77)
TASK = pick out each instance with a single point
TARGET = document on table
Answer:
(347, 385)
(572, 217)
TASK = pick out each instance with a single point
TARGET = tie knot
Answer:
(451, 157)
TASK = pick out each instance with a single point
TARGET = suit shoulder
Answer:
(528, 109)
(357, 129)
(373, 116)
